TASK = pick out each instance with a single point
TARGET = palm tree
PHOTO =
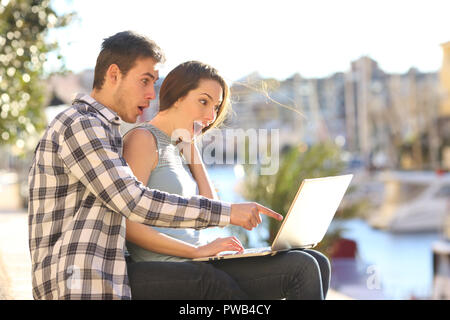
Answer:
(277, 191)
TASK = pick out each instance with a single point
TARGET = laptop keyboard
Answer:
(251, 250)
(257, 250)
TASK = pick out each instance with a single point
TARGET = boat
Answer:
(414, 201)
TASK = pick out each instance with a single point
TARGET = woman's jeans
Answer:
(294, 274)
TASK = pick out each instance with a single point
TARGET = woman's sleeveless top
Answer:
(171, 175)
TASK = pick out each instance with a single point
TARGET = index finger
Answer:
(269, 212)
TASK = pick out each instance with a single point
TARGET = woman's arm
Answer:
(140, 152)
(153, 240)
(198, 170)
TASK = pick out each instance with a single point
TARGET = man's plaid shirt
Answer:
(80, 193)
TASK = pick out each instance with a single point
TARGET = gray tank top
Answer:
(171, 175)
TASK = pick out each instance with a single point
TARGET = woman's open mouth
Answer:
(197, 128)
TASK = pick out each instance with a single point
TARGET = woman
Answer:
(193, 99)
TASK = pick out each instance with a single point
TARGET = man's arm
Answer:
(86, 149)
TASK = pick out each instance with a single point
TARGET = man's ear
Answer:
(113, 74)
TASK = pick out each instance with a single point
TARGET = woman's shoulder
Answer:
(140, 147)
(140, 138)
(150, 131)
(140, 133)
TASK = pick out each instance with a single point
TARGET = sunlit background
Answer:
(275, 38)
(356, 87)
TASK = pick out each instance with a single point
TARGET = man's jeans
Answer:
(295, 274)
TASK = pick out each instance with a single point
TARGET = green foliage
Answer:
(24, 25)
(277, 191)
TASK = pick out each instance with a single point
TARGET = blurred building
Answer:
(384, 120)
(62, 88)
(391, 117)
(445, 80)
(444, 110)
(304, 110)
(387, 120)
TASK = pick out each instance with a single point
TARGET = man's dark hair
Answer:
(124, 49)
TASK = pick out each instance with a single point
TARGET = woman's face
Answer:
(201, 104)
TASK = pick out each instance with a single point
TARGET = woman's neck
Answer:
(164, 123)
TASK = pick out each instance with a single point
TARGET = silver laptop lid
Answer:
(311, 212)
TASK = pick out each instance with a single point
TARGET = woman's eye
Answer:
(204, 102)
(144, 81)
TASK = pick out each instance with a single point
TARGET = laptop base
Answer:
(249, 253)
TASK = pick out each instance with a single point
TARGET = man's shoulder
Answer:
(77, 113)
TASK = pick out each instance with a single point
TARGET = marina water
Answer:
(403, 262)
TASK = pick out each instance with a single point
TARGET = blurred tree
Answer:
(24, 25)
(277, 191)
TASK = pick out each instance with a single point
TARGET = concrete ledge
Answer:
(15, 263)
(335, 295)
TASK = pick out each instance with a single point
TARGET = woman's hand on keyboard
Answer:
(219, 245)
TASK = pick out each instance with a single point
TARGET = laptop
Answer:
(307, 220)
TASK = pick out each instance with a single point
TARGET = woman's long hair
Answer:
(186, 77)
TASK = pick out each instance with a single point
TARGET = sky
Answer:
(275, 38)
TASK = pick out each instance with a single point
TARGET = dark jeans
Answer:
(295, 274)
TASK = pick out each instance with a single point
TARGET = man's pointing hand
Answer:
(247, 215)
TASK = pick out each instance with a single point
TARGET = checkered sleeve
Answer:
(89, 150)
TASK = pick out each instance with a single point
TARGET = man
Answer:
(81, 189)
